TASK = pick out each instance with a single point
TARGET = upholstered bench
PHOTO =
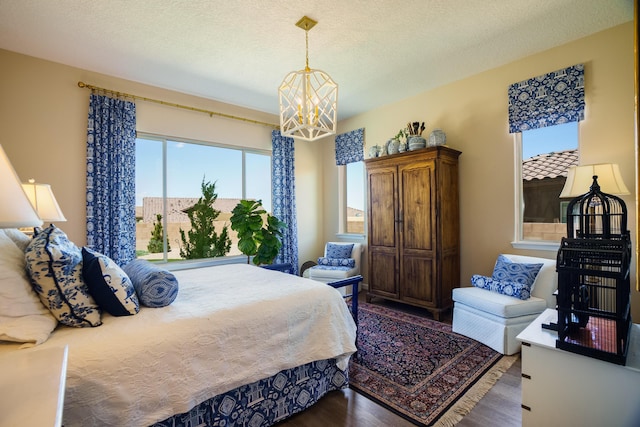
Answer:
(495, 319)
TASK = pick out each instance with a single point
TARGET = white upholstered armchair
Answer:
(335, 265)
(496, 319)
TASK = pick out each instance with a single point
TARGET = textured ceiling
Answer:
(238, 51)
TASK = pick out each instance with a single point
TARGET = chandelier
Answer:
(308, 99)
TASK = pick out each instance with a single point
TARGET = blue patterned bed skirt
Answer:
(267, 401)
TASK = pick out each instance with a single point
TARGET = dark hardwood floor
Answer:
(500, 407)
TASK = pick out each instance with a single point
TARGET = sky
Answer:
(189, 164)
(356, 185)
(549, 139)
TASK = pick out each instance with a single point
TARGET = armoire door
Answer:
(383, 231)
(417, 183)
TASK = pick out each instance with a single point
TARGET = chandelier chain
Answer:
(306, 33)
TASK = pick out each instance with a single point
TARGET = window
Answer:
(546, 155)
(169, 177)
(544, 112)
(349, 158)
(355, 215)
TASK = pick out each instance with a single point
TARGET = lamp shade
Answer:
(580, 179)
(43, 201)
(15, 209)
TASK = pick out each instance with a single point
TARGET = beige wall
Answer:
(43, 121)
(473, 113)
(43, 118)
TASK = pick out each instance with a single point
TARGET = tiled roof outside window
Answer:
(549, 165)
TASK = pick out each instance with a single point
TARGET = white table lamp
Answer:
(15, 209)
(580, 179)
(43, 201)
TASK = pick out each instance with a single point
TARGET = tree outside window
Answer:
(169, 179)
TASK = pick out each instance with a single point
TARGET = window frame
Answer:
(204, 262)
(519, 242)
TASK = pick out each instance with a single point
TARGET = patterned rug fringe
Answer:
(466, 403)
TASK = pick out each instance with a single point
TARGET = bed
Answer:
(240, 345)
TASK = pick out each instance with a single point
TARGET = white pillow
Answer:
(19, 238)
(23, 318)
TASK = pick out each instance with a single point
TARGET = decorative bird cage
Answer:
(593, 278)
(596, 215)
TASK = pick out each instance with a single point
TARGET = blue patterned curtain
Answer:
(284, 197)
(547, 100)
(111, 155)
(350, 147)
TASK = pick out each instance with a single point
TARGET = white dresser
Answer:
(565, 389)
(32, 385)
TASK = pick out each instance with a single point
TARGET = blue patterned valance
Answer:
(547, 100)
(350, 147)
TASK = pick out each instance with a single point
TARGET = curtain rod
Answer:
(172, 104)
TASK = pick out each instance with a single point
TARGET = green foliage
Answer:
(259, 232)
(203, 240)
(155, 243)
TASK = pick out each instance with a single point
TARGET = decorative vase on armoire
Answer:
(414, 228)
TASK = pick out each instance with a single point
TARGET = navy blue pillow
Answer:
(108, 284)
(156, 287)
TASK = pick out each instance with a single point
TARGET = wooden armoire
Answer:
(414, 227)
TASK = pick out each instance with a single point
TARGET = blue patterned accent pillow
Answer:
(504, 287)
(330, 268)
(506, 270)
(54, 265)
(337, 262)
(155, 286)
(339, 250)
(108, 284)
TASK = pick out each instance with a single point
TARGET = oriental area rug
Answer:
(419, 369)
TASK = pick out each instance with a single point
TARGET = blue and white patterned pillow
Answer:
(506, 270)
(330, 268)
(337, 262)
(54, 265)
(109, 284)
(339, 250)
(155, 286)
(505, 287)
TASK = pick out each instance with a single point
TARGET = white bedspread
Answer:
(230, 325)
